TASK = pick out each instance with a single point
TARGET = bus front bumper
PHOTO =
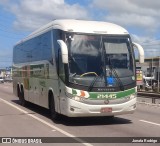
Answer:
(72, 108)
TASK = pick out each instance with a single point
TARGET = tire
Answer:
(53, 113)
(110, 118)
(18, 92)
(21, 98)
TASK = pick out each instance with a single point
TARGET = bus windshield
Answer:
(107, 60)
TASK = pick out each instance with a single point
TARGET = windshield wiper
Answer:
(116, 75)
(93, 82)
(73, 75)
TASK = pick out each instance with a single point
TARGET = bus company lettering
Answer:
(38, 72)
(107, 96)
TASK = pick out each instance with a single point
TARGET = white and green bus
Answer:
(77, 68)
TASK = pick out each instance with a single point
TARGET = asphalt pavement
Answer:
(34, 121)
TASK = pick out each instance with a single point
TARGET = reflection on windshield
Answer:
(118, 52)
(90, 56)
(85, 55)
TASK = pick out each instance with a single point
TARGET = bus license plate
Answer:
(106, 110)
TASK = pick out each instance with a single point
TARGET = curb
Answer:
(148, 93)
(149, 104)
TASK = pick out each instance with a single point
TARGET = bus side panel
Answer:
(19, 81)
(51, 83)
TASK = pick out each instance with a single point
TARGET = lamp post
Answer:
(158, 71)
(152, 75)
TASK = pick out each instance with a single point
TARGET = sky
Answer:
(18, 18)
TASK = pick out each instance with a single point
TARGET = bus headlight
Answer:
(69, 95)
(74, 97)
(77, 98)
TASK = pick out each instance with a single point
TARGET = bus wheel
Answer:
(110, 118)
(21, 98)
(18, 92)
(54, 114)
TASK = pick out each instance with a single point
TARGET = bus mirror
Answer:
(141, 52)
(64, 51)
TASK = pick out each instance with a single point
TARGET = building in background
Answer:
(2, 73)
(6, 73)
(151, 67)
(151, 72)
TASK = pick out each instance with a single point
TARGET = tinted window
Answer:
(36, 49)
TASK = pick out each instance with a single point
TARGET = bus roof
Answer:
(80, 26)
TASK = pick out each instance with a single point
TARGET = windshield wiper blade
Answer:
(93, 82)
(116, 75)
(74, 74)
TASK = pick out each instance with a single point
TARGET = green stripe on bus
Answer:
(108, 95)
(74, 92)
(95, 95)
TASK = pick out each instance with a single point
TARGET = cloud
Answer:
(4, 2)
(140, 14)
(142, 39)
(149, 44)
(135, 20)
(147, 4)
(31, 14)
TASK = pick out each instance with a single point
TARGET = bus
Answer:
(77, 68)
